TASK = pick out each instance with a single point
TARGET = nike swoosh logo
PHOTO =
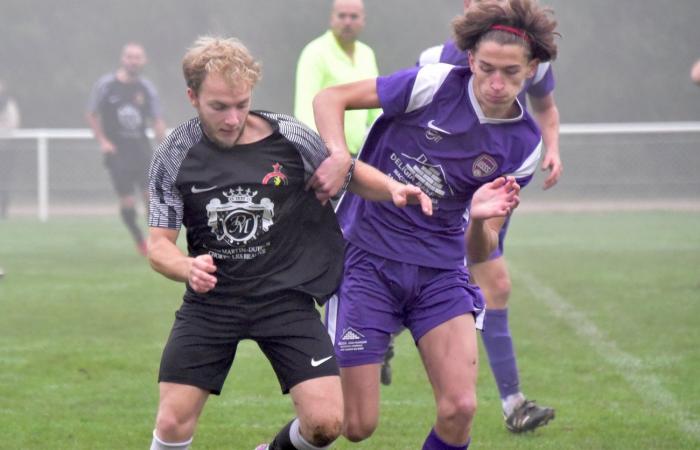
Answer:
(315, 363)
(432, 126)
(196, 190)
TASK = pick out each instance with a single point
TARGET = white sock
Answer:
(157, 444)
(511, 402)
(298, 440)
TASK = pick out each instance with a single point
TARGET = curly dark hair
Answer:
(536, 22)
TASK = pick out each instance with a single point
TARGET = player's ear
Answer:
(470, 59)
(192, 95)
(532, 67)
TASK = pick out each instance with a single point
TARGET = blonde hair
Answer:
(226, 56)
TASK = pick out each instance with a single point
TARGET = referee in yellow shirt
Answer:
(337, 57)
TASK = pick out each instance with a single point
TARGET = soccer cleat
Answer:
(528, 416)
(262, 447)
(385, 374)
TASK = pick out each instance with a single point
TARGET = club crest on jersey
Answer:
(239, 219)
(276, 177)
(139, 99)
(484, 165)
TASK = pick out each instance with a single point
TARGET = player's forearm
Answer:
(371, 184)
(481, 240)
(548, 120)
(329, 116)
(96, 127)
(167, 259)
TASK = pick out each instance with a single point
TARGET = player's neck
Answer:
(124, 76)
(256, 129)
(347, 46)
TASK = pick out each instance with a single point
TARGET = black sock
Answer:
(129, 218)
(282, 441)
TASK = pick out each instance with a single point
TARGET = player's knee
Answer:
(325, 430)
(358, 430)
(171, 428)
(503, 287)
(498, 291)
(457, 410)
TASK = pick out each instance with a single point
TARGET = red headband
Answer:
(513, 30)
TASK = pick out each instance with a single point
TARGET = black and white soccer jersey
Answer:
(247, 208)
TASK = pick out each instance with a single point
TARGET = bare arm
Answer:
(329, 109)
(547, 116)
(167, 259)
(93, 121)
(695, 72)
(372, 184)
(490, 206)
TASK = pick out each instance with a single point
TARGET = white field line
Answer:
(630, 367)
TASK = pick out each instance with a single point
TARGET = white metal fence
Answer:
(657, 162)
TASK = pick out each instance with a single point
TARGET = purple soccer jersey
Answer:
(539, 85)
(433, 134)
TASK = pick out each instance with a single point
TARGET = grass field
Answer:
(605, 314)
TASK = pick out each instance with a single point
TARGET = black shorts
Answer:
(286, 326)
(128, 173)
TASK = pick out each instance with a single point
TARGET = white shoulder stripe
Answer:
(529, 166)
(542, 69)
(430, 55)
(428, 81)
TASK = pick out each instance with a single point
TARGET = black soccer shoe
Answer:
(528, 416)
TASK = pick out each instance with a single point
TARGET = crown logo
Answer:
(240, 196)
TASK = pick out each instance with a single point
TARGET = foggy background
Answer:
(619, 61)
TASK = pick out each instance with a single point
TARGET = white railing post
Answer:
(42, 151)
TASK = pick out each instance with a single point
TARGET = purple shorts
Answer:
(379, 296)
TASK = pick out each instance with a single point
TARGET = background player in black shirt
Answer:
(120, 107)
(261, 248)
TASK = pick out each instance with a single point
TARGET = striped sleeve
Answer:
(165, 200)
(307, 142)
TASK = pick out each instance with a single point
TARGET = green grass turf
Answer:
(605, 313)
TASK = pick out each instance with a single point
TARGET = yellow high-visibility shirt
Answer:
(323, 63)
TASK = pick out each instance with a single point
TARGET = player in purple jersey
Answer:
(492, 275)
(119, 109)
(261, 249)
(449, 130)
(539, 90)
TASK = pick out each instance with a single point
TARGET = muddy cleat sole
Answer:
(528, 416)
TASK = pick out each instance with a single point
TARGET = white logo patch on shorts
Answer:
(352, 341)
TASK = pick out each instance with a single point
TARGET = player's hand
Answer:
(199, 276)
(107, 147)
(330, 176)
(404, 194)
(495, 199)
(552, 163)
